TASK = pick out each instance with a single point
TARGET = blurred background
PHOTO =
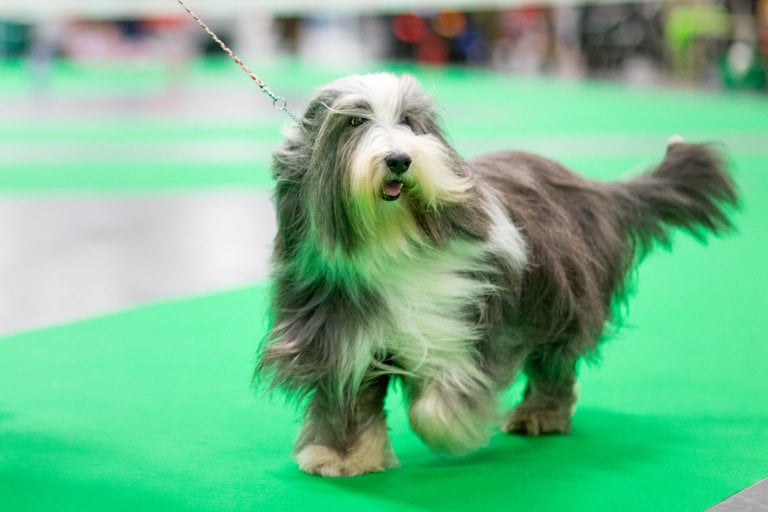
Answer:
(134, 154)
(703, 43)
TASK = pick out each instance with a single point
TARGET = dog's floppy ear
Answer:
(291, 158)
(317, 112)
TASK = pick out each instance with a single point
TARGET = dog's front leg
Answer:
(346, 436)
(453, 412)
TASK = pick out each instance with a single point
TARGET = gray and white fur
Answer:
(397, 259)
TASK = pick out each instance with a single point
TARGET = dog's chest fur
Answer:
(430, 302)
(432, 299)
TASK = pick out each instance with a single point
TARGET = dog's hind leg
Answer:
(349, 438)
(550, 396)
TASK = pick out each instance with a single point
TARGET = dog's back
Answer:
(583, 235)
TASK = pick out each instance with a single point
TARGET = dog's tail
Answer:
(690, 189)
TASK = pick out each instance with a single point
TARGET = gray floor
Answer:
(68, 257)
(752, 499)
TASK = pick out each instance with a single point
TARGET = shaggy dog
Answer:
(397, 259)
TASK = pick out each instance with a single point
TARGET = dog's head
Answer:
(367, 164)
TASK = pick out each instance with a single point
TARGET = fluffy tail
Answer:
(690, 189)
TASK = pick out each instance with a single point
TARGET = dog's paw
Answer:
(317, 459)
(536, 421)
(449, 425)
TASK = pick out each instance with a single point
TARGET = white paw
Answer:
(371, 453)
(448, 425)
(317, 459)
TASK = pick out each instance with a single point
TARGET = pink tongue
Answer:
(393, 189)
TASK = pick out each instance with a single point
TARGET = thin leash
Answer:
(277, 101)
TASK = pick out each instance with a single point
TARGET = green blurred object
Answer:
(695, 36)
(741, 67)
(152, 410)
(687, 22)
(14, 38)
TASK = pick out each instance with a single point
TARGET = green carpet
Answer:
(151, 409)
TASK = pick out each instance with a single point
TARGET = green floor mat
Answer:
(151, 409)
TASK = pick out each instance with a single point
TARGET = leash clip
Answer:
(280, 103)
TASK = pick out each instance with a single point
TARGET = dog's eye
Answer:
(356, 121)
(408, 121)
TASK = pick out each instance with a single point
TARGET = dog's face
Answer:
(371, 163)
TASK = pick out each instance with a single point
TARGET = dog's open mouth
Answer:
(392, 190)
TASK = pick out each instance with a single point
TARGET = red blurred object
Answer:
(165, 22)
(409, 28)
(433, 50)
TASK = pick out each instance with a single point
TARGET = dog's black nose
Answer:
(398, 163)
